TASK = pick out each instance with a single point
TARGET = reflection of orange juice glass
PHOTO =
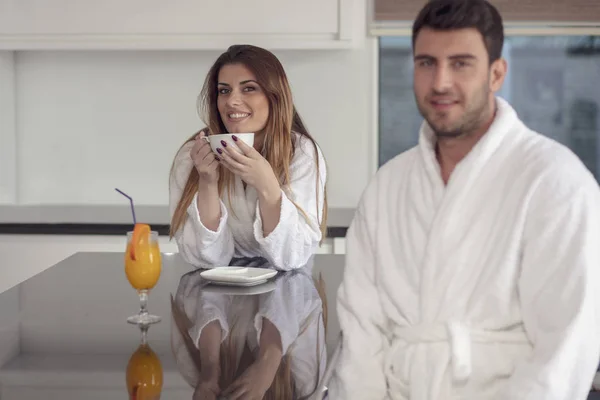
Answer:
(144, 373)
(143, 265)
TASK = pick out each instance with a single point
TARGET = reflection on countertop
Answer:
(64, 333)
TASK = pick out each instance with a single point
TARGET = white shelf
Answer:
(170, 42)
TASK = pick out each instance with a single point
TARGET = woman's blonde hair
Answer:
(283, 385)
(279, 142)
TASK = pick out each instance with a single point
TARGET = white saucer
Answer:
(238, 276)
(240, 290)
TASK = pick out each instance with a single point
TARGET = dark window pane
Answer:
(553, 83)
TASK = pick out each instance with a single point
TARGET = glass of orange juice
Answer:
(143, 266)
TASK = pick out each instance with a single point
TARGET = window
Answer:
(553, 83)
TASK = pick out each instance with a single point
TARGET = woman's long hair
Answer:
(279, 142)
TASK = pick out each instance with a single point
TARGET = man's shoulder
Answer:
(548, 156)
(552, 167)
(389, 174)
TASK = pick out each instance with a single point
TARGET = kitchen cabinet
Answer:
(175, 24)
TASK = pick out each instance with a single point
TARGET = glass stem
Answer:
(144, 330)
(143, 301)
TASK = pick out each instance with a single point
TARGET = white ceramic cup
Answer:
(215, 140)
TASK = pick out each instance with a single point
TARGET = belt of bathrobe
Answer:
(458, 335)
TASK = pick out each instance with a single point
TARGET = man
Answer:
(472, 259)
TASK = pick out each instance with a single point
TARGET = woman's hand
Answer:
(252, 384)
(204, 160)
(208, 386)
(251, 167)
(258, 377)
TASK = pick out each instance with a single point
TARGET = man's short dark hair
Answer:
(462, 14)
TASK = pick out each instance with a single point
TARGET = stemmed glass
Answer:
(143, 266)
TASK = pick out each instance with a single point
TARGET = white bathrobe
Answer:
(293, 306)
(484, 288)
(290, 245)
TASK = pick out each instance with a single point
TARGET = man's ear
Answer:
(498, 71)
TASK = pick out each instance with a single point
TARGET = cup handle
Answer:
(205, 138)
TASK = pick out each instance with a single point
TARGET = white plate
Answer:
(239, 290)
(238, 276)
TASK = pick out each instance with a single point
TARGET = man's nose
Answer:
(442, 80)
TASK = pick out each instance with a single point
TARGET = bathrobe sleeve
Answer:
(309, 357)
(192, 310)
(296, 237)
(197, 244)
(559, 289)
(295, 309)
(359, 373)
(211, 307)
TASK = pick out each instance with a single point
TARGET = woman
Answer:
(269, 202)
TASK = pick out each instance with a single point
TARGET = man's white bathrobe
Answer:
(484, 288)
(289, 246)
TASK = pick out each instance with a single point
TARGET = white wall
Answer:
(8, 138)
(87, 122)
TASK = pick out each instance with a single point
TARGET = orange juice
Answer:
(142, 258)
(143, 272)
(144, 375)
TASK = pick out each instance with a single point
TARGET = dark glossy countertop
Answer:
(64, 335)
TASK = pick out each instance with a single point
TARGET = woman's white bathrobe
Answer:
(290, 245)
(484, 288)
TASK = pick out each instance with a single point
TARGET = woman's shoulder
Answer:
(307, 159)
(304, 148)
(182, 164)
(182, 157)
(183, 153)
(184, 150)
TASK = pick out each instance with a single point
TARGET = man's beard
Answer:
(469, 122)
